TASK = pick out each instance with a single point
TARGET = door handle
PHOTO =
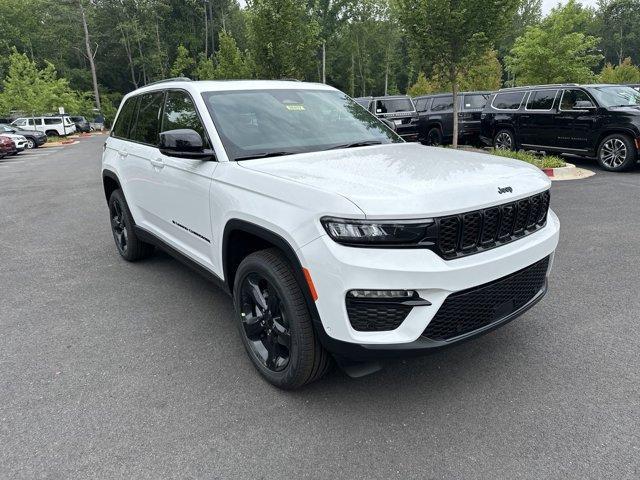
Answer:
(123, 153)
(158, 163)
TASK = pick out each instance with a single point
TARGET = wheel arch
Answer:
(611, 131)
(241, 238)
(110, 182)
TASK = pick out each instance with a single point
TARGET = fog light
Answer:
(381, 293)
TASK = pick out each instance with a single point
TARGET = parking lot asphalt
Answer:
(118, 370)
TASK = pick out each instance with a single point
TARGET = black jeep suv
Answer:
(601, 121)
(435, 126)
(398, 109)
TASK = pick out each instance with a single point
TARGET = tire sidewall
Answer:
(438, 136)
(631, 153)
(287, 377)
(117, 196)
(31, 143)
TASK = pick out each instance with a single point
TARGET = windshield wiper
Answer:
(357, 144)
(264, 155)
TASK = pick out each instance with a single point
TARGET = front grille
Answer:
(473, 232)
(468, 310)
(376, 316)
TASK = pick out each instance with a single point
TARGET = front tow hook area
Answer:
(358, 369)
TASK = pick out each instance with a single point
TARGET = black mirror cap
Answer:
(184, 143)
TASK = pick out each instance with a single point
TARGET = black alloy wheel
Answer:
(119, 226)
(434, 137)
(265, 323)
(504, 140)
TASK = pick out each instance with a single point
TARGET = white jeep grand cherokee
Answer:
(334, 237)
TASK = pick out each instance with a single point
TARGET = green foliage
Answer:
(282, 38)
(31, 90)
(183, 64)
(546, 161)
(230, 63)
(422, 86)
(205, 70)
(626, 72)
(618, 24)
(558, 50)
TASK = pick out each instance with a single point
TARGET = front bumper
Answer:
(336, 269)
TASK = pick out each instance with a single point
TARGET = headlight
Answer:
(377, 232)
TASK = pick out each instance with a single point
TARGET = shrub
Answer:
(547, 161)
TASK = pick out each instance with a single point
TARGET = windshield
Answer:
(260, 123)
(615, 95)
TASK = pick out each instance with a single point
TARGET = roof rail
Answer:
(541, 86)
(175, 79)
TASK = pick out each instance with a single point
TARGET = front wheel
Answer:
(617, 153)
(434, 137)
(31, 143)
(274, 322)
(504, 140)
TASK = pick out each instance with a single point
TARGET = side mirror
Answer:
(184, 143)
(389, 124)
(584, 105)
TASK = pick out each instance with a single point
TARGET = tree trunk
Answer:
(453, 74)
(90, 56)
(127, 49)
(324, 62)
(206, 33)
(353, 74)
(213, 33)
(160, 54)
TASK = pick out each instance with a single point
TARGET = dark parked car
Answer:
(82, 125)
(601, 121)
(34, 137)
(399, 110)
(7, 147)
(435, 126)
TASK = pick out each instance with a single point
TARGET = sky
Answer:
(547, 5)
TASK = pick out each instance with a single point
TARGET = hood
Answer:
(405, 180)
(14, 136)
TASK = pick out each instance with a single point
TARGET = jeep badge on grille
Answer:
(502, 190)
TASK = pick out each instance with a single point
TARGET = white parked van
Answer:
(49, 125)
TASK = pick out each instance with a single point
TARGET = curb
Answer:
(570, 172)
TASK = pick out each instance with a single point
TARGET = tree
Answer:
(183, 63)
(453, 34)
(618, 24)
(205, 70)
(558, 50)
(626, 72)
(282, 37)
(230, 63)
(31, 90)
(90, 54)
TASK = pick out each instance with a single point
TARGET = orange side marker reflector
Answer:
(312, 288)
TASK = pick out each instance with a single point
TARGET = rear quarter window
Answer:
(442, 103)
(508, 101)
(52, 121)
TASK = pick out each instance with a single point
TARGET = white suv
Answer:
(52, 126)
(334, 237)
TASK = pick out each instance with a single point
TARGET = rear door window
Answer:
(442, 103)
(146, 127)
(393, 105)
(422, 104)
(53, 121)
(541, 99)
(123, 123)
(508, 100)
(475, 101)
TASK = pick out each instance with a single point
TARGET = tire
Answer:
(31, 143)
(274, 322)
(129, 246)
(52, 133)
(433, 137)
(617, 153)
(504, 140)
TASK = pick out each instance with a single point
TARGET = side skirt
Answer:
(149, 237)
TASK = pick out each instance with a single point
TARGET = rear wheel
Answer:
(31, 143)
(434, 137)
(504, 140)
(129, 246)
(617, 153)
(274, 322)
(52, 133)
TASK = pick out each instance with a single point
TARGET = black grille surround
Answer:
(478, 307)
(468, 233)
